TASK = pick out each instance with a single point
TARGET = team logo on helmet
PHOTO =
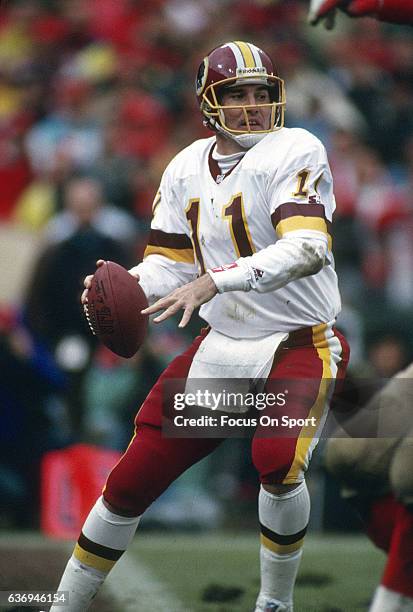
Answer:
(201, 77)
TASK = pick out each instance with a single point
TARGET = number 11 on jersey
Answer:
(192, 214)
(234, 213)
(240, 233)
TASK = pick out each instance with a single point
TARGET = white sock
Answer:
(386, 600)
(104, 538)
(81, 583)
(284, 520)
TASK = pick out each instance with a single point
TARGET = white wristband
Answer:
(231, 277)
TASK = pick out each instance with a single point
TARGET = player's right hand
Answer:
(87, 283)
(135, 275)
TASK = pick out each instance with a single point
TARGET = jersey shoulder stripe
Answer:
(291, 216)
(177, 247)
(158, 237)
(293, 209)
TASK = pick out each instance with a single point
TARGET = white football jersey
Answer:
(281, 189)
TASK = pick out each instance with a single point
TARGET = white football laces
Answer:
(88, 317)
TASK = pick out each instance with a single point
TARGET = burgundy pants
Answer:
(308, 363)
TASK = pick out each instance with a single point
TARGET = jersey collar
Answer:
(214, 168)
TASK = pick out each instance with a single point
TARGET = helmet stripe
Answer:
(246, 54)
(257, 56)
(239, 58)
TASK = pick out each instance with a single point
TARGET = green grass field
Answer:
(208, 572)
(338, 573)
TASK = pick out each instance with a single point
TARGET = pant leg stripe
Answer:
(318, 409)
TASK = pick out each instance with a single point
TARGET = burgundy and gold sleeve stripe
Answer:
(177, 247)
(292, 216)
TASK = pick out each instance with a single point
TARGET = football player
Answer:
(377, 477)
(241, 227)
(393, 11)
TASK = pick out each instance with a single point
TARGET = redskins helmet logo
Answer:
(201, 77)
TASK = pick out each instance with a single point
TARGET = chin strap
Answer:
(246, 141)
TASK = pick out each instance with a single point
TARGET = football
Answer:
(113, 309)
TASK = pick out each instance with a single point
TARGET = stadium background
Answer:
(99, 94)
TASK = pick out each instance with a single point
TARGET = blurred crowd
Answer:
(96, 96)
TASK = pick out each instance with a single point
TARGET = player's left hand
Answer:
(186, 298)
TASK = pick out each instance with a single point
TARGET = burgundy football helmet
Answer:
(233, 64)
